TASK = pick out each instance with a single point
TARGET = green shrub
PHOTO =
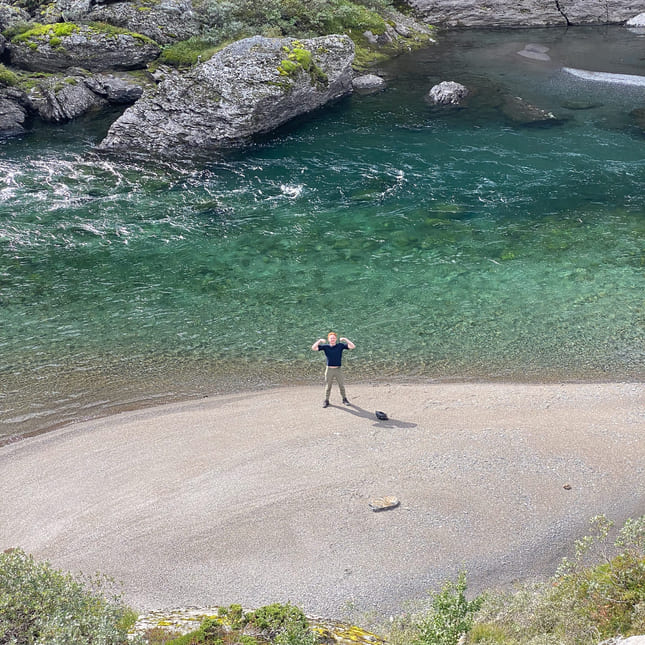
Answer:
(451, 615)
(279, 624)
(298, 18)
(278, 619)
(585, 602)
(43, 606)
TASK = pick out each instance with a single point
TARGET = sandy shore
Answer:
(263, 497)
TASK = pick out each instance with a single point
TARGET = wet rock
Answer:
(250, 87)
(54, 48)
(12, 114)
(57, 99)
(448, 93)
(580, 105)
(521, 112)
(368, 83)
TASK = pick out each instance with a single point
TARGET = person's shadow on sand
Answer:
(361, 412)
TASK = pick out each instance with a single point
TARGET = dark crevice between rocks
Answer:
(564, 15)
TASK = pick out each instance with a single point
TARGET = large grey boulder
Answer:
(501, 13)
(448, 93)
(47, 48)
(250, 87)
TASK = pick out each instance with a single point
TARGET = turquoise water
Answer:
(446, 245)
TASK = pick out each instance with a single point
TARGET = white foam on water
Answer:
(605, 77)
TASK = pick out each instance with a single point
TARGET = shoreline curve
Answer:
(263, 496)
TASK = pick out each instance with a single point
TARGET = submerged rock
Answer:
(448, 93)
(639, 117)
(521, 112)
(535, 52)
(250, 87)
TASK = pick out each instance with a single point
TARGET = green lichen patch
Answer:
(53, 34)
(46, 33)
(299, 59)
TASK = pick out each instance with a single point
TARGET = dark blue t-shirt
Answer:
(333, 353)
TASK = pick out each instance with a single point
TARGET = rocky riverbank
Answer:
(73, 57)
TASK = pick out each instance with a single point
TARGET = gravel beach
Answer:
(265, 497)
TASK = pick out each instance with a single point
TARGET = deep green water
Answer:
(446, 245)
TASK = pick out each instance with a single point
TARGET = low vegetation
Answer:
(226, 21)
(40, 605)
(7, 77)
(596, 595)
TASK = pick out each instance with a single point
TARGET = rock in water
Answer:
(368, 83)
(250, 87)
(448, 93)
(12, 114)
(637, 21)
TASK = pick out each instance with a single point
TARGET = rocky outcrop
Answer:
(57, 100)
(55, 48)
(448, 93)
(250, 87)
(538, 13)
(165, 22)
(10, 16)
(62, 97)
(12, 113)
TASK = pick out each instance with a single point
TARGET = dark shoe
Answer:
(325, 403)
(346, 402)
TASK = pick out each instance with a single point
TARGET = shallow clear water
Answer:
(446, 245)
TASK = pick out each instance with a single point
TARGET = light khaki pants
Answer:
(331, 374)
